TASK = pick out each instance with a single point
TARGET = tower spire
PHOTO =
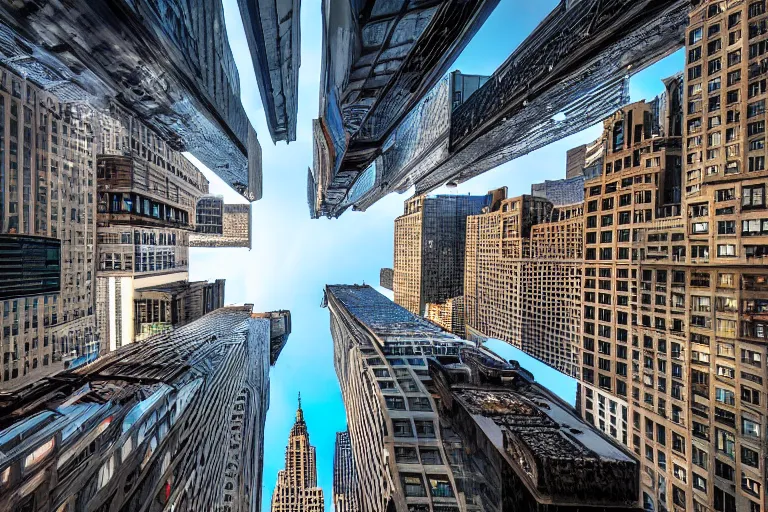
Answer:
(299, 412)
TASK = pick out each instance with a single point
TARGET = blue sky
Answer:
(293, 257)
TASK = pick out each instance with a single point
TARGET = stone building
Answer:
(160, 308)
(47, 233)
(523, 277)
(296, 489)
(146, 198)
(407, 446)
(221, 225)
(176, 422)
(429, 249)
(344, 477)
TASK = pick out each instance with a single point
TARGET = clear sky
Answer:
(293, 257)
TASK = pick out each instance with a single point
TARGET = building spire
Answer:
(299, 412)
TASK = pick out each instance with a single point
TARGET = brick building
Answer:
(523, 277)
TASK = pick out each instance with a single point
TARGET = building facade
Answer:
(176, 422)
(344, 477)
(429, 249)
(634, 387)
(726, 257)
(296, 489)
(523, 277)
(405, 451)
(47, 233)
(146, 199)
(221, 225)
(686, 288)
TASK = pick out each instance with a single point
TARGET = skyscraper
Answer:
(273, 33)
(429, 249)
(523, 275)
(176, 422)
(296, 489)
(168, 63)
(686, 288)
(344, 478)
(407, 452)
(633, 385)
(47, 233)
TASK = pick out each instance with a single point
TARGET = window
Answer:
(694, 54)
(406, 455)
(750, 428)
(725, 396)
(756, 128)
(618, 136)
(425, 428)
(695, 36)
(395, 403)
(750, 395)
(699, 457)
(734, 57)
(750, 457)
(440, 486)
(430, 456)
(750, 485)
(726, 250)
(756, 88)
(699, 483)
(678, 443)
(725, 443)
(413, 486)
(753, 197)
(694, 72)
(724, 502)
(726, 227)
(402, 428)
(756, 9)
(419, 403)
